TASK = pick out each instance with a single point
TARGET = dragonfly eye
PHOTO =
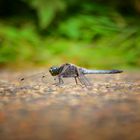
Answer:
(54, 71)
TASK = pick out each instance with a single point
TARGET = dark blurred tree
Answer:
(48, 11)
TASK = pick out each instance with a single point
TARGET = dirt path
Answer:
(108, 111)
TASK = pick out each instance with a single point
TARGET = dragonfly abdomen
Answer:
(86, 71)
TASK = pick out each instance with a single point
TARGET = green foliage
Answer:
(21, 45)
(82, 32)
(87, 27)
(46, 10)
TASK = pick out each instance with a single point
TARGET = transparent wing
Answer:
(65, 67)
(35, 79)
(83, 79)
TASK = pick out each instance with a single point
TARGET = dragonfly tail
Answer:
(101, 71)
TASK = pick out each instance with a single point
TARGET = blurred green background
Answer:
(89, 33)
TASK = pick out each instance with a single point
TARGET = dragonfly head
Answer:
(54, 70)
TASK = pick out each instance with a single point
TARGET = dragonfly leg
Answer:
(76, 80)
(60, 75)
(60, 80)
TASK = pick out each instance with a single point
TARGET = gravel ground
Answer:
(36, 110)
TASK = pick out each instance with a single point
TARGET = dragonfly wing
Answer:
(33, 79)
(65, 67)
(83, 79)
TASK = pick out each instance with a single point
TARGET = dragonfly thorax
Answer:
(54, 70)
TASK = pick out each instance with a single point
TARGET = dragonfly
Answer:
(68, 70)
